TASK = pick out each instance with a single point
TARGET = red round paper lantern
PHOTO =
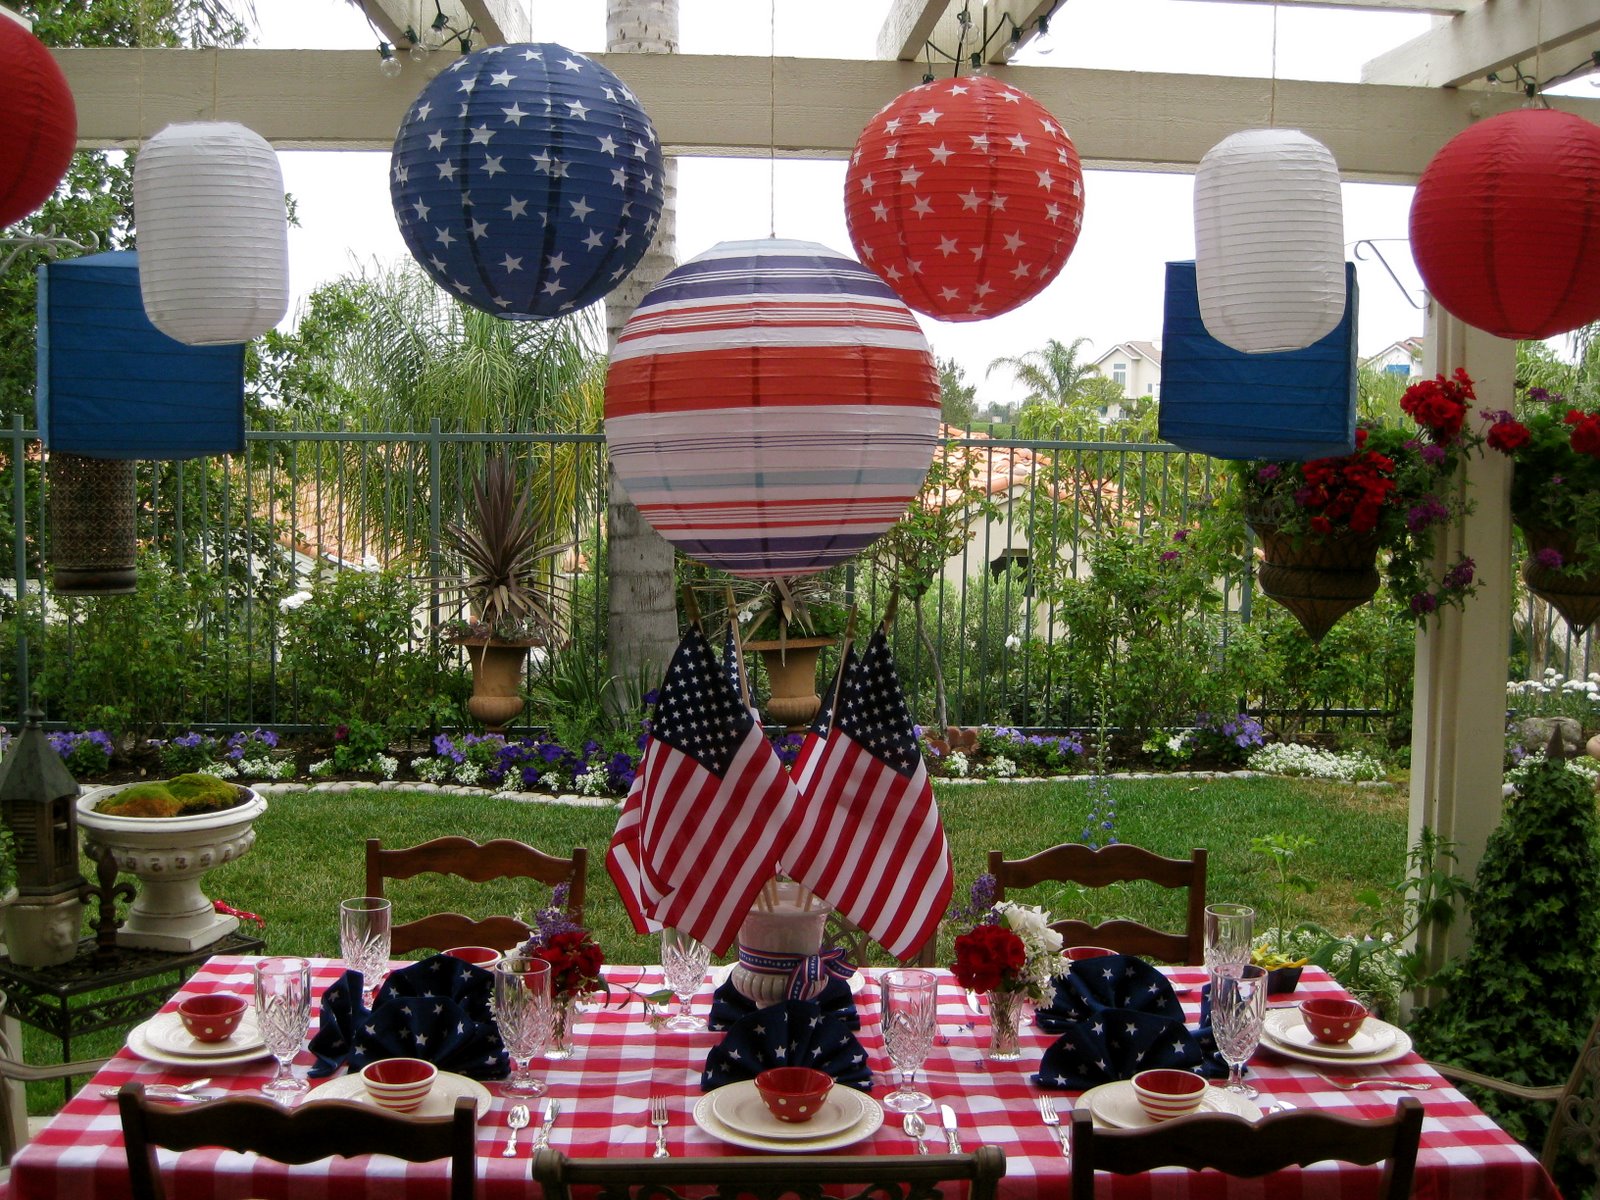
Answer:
(1505, 224)
(40, 127)
(966, 196)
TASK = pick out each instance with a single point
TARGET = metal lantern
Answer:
(93, 548)
(1504, 220)
(40, 129)
(527, 180)
(966, 196)
(1269, 241)
(771, 407)
(208, 204)
(38, 804)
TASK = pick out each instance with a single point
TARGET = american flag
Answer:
(699, 832)
(868, 837)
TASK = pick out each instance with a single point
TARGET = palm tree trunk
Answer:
(642, 621)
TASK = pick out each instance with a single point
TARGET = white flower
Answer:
(1041, 944)
(291, 602)
(1013, 642)
(745, 616)
(321, 767)
(432, 770)
(1175, 743)
(956, 764)
(468, 773)
(1001, 767)
(370, 563)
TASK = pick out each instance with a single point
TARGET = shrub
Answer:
(84, 754)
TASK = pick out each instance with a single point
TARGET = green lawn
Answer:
(308, 855)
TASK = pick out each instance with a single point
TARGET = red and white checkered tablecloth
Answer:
(620, 1062)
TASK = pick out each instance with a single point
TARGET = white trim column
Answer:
(1458, 699)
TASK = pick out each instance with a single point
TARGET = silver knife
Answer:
(948, 1116)
(552, 1110)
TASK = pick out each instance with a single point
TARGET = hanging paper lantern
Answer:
(1504, 224)
(527, 180)
(966, 196)
(40, 128)
(771, 407)
(1294, 404)
(1269, 240)
(213, 233)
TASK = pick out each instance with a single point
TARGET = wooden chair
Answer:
(1074, 863)
(293, 1135)
(463, 857)
(857, 944)
(1235, 1146)
(803, 1176)
(1576, 1119)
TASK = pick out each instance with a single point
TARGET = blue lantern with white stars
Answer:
(527, 180)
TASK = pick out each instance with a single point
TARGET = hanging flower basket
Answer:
(1575, 597)
(1320, 579)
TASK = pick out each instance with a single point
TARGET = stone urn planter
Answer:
(169, 855)
(792, 673)
(496, 698)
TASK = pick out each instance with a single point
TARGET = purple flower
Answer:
(1549, 558)
(1269, 472)
(1430, 511)
(1459, 577)
(1538, 393)
(1433, 455)
(442, 744)
(1169, 555)
(1423, 602)
(1181, 535)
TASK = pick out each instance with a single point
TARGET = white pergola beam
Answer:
(907, 26)
(1492, 35)
(911, 24)
(1441, 8)
(497, 21)
(1132, 120)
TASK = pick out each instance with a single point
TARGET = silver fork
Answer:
(658, 1118)
(1350, 1085)
(1048, 1114)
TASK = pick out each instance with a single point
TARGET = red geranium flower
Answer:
(988, 956)
(1508, 436)
(1586, 436)
(575, 960)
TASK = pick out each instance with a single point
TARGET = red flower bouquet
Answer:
(988, 957)
(575, 960)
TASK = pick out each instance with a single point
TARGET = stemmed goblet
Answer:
(283, 1007)
(1229, 930)
(522, 1012)
(909, 1023)
(364, 924)
(683, 962)
(1238, 1008)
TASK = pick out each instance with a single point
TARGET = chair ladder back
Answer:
(1234, 1146)
(1073, 862)
(345, 1128)
(1576, 1119)
(887, 1177)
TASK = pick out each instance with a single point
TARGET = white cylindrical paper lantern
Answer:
(213, 230)
(1269, 241)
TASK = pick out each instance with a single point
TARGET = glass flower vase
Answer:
(563, 1016)
(1005, 1018)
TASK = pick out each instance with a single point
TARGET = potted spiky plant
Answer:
(507, 591)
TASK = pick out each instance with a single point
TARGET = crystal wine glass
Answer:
(909, 1023)
(364, 923)
(1229, 930)
(522, 1012)
(283, 1006)
(683, 962)
(1238, 1008)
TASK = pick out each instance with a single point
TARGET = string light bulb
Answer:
(388, 65)
(1043, 43)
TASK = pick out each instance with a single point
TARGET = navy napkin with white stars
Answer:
(1117, 1016)
(437, 1009)
(794, 1033)
(729, 1005)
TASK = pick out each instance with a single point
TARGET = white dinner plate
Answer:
(871, 1121)
(740, 1107)
(1117, 1106)
(1398, 1049)
(1287, 1027)
(165, 1031)
(141, 1045)
(440, 1099)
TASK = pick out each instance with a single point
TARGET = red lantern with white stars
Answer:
(966, 196)
(1504, 221)
(40, 129)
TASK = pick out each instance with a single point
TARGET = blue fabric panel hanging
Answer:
(1297, 404)
(111, 385)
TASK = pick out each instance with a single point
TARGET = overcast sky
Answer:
(1134, 222)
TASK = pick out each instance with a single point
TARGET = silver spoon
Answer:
(163, 1091)
(516, 1119)
(916, 1127)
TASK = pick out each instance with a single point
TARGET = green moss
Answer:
(182, 796)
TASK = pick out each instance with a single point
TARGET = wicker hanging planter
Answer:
(92, 543)
(1318, 581)
(1575, 597)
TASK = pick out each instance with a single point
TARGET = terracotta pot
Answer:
(792, 674)
(496, 680)
(1575, 597)
(1318, 580)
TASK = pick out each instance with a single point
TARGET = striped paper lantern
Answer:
(527, 180)
(1504, 221)
(1269, 241)
(213, 233)
(39, 129)
(966, 196)
(771, 407)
